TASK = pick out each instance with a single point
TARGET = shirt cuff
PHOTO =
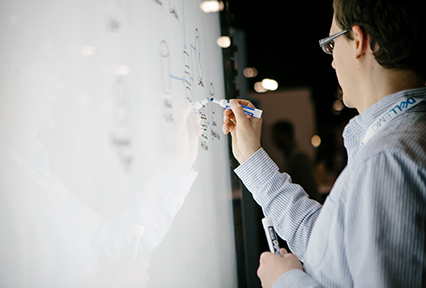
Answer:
(257, 167)
(295, 278)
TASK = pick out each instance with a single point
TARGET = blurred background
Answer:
(282, 44)
(282, 70)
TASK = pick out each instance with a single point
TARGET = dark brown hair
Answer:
(398, 27)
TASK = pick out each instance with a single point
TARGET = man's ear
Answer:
(361, 41)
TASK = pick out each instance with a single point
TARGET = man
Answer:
(371, 230)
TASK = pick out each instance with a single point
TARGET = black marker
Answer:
(271, 236)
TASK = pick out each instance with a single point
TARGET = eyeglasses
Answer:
(327, 44)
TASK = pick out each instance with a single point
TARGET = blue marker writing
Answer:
(256, 113)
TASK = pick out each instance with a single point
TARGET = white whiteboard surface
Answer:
(103, 86)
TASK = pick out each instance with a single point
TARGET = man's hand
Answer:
(245, 130)
(273, 266)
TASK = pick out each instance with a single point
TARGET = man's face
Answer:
(342, 63)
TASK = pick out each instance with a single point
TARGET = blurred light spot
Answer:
(316, 141)
(224, 41)
(123, 70)
(250, 72)
(13, 19)
(338, 105)
(211, 6)
(270, 84)
(258, 87)
(88, 50)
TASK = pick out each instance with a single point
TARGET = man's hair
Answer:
(398, 27)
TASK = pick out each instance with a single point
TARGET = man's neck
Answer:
(386, 82)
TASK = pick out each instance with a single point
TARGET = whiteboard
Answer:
(104, 117)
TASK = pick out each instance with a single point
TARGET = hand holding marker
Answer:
(271, 236)
(257, 113)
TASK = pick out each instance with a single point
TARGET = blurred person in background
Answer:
(295, 162)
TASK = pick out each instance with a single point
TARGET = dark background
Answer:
(282, 44)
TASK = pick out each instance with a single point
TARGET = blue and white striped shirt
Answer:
(371, 230)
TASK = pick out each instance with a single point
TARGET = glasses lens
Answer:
(328, 48)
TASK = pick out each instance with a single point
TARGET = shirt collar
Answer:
(357, 126)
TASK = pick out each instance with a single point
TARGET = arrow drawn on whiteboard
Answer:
(174, 12)
(177, 78)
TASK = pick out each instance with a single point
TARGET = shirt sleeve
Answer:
(290, 208)
(296, 279)
(385, 223)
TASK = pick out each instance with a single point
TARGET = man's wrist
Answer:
(249, 154)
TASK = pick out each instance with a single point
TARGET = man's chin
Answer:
(346, 103)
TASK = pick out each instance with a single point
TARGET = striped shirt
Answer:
(371, 230)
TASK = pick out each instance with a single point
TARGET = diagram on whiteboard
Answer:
(183, 78)
(214, 129)
(192, 64)
(198, 52)
(190, 80)
(173, 9)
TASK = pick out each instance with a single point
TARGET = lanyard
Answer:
(398, 108)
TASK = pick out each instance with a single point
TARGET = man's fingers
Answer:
(283, 251)
(263, 256)
(225, 128)
(244, 102)
(227, 114)
(228, 121)
(238, 111)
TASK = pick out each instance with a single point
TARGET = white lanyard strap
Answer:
(397, 109)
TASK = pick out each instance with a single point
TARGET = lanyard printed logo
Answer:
(397, 109)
